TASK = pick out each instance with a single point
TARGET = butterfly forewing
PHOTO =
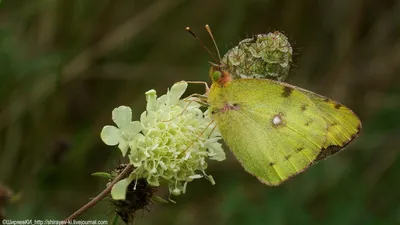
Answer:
(343, 124)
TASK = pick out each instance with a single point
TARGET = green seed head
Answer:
(263, 56)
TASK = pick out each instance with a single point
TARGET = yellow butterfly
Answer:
(277, 130)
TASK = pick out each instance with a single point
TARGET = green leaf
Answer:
(102, 174)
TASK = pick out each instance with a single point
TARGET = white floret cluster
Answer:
(170, 143)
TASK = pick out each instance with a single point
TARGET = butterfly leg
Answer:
(200, 101)
(200, 82)
(180, 114)
(204, 130)
(213, 129)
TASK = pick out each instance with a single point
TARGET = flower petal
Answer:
(153, 180)
(118, 191)
(151, 98)
(162, 100)
(211, 179)
(110, 135)
(215, 150)
(133, 143)
(176, 92)
(135, 160)
(131, 129)
(123, 146)
(122, 115)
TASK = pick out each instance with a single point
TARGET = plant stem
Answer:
(102, 195)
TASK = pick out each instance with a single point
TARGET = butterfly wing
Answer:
(343, 124)
(276, 130)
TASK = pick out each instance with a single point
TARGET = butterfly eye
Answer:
(216, 75)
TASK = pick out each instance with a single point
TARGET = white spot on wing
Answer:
(276, 120)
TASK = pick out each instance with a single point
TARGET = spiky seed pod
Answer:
(138, 197)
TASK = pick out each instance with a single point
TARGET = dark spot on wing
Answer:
(287, 157)
(308, 123)
(304, 107)
(333, 149)
(338, 105)
(271, 163)
(326, 152)
(286, 91)
(299, 149)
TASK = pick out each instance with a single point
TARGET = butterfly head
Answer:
(217, 72)
(219, 75)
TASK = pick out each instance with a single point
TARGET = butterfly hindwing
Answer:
(274, 129)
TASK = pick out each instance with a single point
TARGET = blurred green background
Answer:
(65, 64)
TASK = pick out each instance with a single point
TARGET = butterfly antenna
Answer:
(202, 43)
(213, 39)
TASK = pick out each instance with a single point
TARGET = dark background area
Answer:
(65, 64)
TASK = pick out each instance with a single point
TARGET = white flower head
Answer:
(171, 142)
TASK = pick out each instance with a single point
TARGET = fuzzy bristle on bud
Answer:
(263, 56)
